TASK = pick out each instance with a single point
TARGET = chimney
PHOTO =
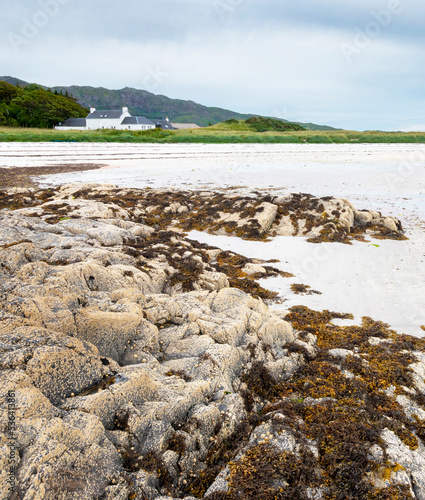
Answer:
(167, 118)
(92, 110)
(125, 109)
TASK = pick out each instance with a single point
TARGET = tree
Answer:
(34, 106)
(7, 92)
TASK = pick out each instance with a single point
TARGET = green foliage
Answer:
(222, 133)
(35, 107)
(7, 92)
(261, 124)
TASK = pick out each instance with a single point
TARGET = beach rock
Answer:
(105, 234)
(390, 223)
(86, 208)
(276, 332)
(212, 281)
(13, 258)
(253, 269)
(62, 456)
(363, 217)
(412, 462)
(266, 214)
(56, 364)
(109, 331)
(138, 372)
(29, 401)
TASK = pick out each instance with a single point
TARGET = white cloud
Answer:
(258, 59)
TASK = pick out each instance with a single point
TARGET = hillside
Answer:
(141, 102)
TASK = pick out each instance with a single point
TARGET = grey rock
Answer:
(56, 364)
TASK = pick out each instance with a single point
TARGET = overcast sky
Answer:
(354, 64)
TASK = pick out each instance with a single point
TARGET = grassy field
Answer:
(237, 132)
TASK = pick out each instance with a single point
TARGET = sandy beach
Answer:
(381, 279)
(161, 343)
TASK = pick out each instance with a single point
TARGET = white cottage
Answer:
(119, 119)
(98, 119)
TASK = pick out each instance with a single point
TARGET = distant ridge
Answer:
(14, 81)
(144, 103)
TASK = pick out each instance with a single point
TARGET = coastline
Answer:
(387, 178)
(147, 360)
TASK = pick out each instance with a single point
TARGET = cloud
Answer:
(269, 57)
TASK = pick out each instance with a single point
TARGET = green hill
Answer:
(256, 124)
(141, 102)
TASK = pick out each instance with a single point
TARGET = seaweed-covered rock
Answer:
(137, 365)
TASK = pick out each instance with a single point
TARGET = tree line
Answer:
(34, 106)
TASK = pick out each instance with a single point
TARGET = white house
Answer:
(98, 119)
(107, 119)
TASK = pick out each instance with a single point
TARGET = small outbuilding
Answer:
(164, 124)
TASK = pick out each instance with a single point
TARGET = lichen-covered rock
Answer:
(137, 371)
(68, 455)
(55, 363)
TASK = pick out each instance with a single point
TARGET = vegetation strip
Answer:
(216, 134)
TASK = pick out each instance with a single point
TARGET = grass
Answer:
(234, 132)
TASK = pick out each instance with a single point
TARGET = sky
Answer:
(352, 64)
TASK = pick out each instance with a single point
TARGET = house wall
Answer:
(59, 127)
(94, 124)
(117, 127)
(135, 127)
(98, 123)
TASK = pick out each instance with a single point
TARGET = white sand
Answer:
(385, 282)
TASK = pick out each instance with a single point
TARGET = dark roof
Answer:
(74, 122)
(105, 113)
(164, 124)
(136, 120)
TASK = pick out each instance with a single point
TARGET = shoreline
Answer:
(23, 177)
(123, 343)
(387, 178)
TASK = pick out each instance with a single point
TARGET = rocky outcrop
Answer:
(85, 421)
(247, 215)
(131, 366)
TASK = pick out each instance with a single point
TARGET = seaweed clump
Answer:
(300, 288)
(339, 401)
(221, 452)
(276, 474)
(343, 404)
(190, 260)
